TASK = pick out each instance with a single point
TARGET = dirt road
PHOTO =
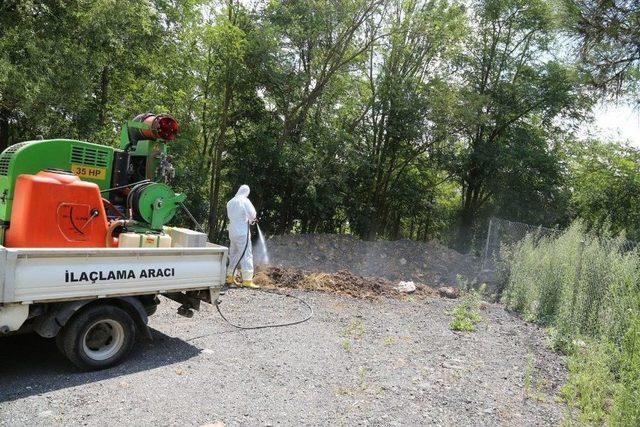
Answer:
(388, 362)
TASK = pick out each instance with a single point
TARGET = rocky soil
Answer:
(358, 361)
(343, 283)
(370, 355)
(430, 263)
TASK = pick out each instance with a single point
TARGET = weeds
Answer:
(465, 319)
(389, 341)
(626, 410)
(528, 375)
(466, 314)
(587, 289)
(362, 378)
(362, 385)
(591, 382)
(532, 383)
(353, 331)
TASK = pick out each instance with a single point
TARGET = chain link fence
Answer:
(582, 282)
(502, 232)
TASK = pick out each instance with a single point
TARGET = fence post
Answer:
(486, 245)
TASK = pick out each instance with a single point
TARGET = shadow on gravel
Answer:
(32, 365)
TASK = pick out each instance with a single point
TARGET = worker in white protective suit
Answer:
(241, 213)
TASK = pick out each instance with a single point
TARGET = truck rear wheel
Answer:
(98, 337)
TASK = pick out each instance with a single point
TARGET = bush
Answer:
(591, 382)
(579, 283)
(541, 271)
(466, 315)
(626, 410)
(587, 288)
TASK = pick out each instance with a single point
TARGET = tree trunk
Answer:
(372, 226)
(204, 117)
(395, 234)
(412, 227)
(427, 222)
(216, 165)
(223, 225)
(467, 219)
(104, 96)
(424, 234)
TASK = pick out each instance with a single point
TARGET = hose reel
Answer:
(154, 203)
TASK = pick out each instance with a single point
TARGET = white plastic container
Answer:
(142, 240)
(185, 238)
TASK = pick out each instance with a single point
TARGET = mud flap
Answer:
(50, 324)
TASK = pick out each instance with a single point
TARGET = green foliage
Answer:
(609, 37)
(406, 104)
(587, 288)
(504, 156)
(353, 116)
(465, 319)
(626, 410)
(466, 314)
(605, 177)
(75, 69)
(578, 283)
(591, 382)
(540, 270)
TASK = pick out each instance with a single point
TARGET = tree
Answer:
(75, 69)
(604, 178)
(318, 40)
(512, 91)
(225, 45)
(406, 103)
(608, 33)
(382, 118)
(24, 58)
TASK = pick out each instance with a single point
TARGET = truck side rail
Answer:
(35, 275)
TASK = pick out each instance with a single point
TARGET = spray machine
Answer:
(85, 246)
(68, 193)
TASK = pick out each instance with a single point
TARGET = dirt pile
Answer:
(342, 282)
(450, 292)
(423, 262)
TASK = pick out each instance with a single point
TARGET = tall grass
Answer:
(586, 288)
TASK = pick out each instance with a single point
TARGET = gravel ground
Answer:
(391, 362)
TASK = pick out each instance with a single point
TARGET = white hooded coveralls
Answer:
(240, 212)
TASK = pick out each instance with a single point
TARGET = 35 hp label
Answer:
(89, 172)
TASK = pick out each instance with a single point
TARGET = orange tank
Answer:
(56, 210)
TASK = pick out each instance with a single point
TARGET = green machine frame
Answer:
(92, 162)
(95, 163)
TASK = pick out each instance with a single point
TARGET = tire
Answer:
(98, 337)
(59, 342)
(151, 309)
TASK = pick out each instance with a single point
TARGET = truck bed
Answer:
(34, 275)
